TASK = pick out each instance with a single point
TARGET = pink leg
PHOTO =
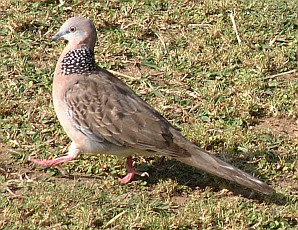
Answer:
(49, 163)
(71, 155)
(131, 172)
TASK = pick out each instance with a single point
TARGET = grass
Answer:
(236, 100)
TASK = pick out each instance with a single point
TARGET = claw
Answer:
(131, 172)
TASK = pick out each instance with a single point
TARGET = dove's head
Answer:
(77, 31)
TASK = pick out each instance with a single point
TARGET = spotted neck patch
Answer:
(78, 61)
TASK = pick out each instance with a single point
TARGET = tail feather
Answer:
(204, 161)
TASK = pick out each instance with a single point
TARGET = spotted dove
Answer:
(102, 115)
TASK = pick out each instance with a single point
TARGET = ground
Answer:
(235, 97)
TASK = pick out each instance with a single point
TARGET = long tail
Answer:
(204, 161)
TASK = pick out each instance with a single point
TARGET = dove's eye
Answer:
(73, 29)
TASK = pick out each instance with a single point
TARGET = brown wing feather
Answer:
(105, 109)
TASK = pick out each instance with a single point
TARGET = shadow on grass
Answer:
(163, 168)
(193, 178)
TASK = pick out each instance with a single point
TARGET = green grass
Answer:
(237, 100)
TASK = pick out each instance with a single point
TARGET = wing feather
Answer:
(105, 109)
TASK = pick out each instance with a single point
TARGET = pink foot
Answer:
(131, 172)
(54, 162)
(49, 163)
(71, 155)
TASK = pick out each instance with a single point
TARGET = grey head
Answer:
(78, 57)
(77, 30)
